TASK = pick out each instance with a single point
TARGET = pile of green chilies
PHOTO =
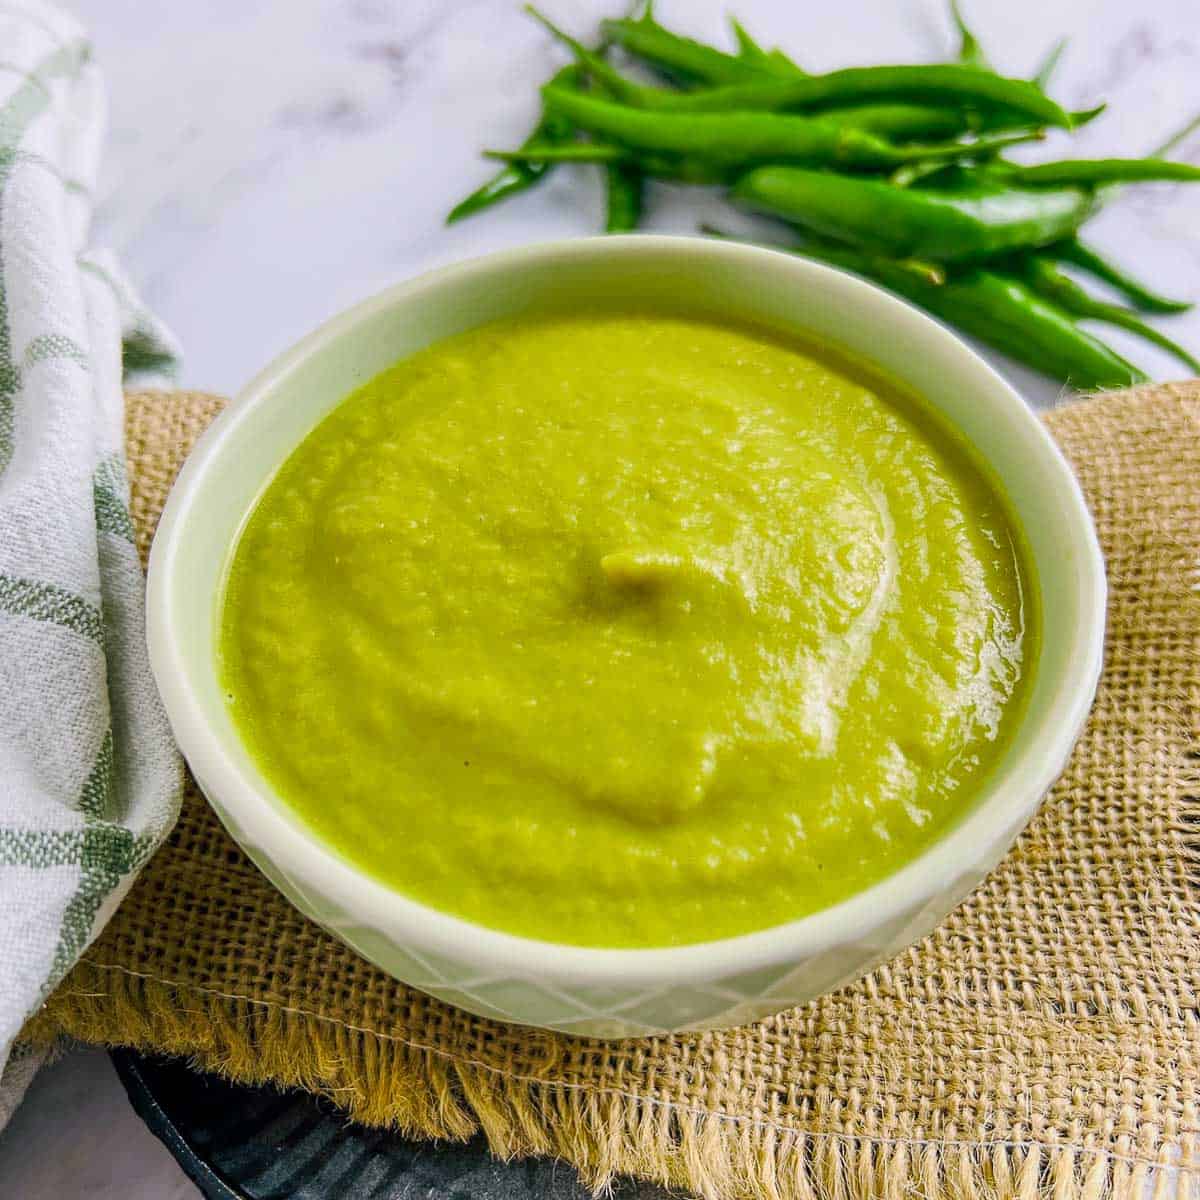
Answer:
(893, 172)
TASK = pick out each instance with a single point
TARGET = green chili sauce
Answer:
(627, 629)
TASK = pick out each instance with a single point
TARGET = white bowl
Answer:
(617, 993)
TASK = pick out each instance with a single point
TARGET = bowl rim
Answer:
(415, 925)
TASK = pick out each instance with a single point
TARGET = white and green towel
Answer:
(89, 779)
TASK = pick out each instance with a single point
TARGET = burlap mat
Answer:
(1044, 1041)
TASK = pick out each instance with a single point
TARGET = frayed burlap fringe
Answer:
(1044, 1042)
(424, 1091)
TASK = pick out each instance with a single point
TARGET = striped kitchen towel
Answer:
(89, 779)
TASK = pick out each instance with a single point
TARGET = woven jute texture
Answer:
(1044, 1041)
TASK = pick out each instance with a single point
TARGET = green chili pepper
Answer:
(1095, 172)
(785, 63)
(997, 309)
(911, 173)
(679, 168)
(632, 92)
(519, 176)
(596, 65)
(570, 152)
(551, 129)
(970, 52)
(1045, 278)
(1178, 137)
(1049, 64)
(924, 272)
(999, 118)
(947, 83)
(738, 139)
(1009, 102)
(772, 61)
(625, 190)
(683, 57)
(901, 121)
(1112, 186)
(966, 220)
(1081, 116)
(748, 48)
(894, 119)
(1006, 314)
(1073, 251)
(695, 62)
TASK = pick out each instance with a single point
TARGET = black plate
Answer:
(262, 1143)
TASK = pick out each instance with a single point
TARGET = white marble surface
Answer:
(272, 161)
